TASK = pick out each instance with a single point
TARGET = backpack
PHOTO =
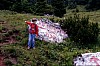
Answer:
(30, 29)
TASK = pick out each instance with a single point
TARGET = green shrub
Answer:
(80, 30)
(8, 63)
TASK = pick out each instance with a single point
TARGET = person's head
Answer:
(34, 20)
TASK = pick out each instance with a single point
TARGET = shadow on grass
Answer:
(94, 45)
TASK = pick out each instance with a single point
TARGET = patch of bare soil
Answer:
(2, 60)
(7, 36)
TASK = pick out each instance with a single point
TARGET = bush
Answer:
(8, 63)
(80, 30)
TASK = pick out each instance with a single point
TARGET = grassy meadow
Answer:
(45, 54)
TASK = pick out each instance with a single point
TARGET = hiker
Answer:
(33, 32)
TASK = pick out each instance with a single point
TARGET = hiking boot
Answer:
(28, 48)
(33, 48)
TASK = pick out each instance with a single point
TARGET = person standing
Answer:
(33, 32)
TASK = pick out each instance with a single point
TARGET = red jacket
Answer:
(34, 28)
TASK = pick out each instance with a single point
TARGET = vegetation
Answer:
(53, 7)
(80, 30)
(43, 9)
(59, 8)
(83, 31)
(45, 54)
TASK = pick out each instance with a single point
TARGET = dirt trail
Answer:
(6, 37)
(2, 61)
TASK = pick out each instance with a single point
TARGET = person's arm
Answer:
(27, 22)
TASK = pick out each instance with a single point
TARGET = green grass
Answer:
(94, 16)
(45, 54)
